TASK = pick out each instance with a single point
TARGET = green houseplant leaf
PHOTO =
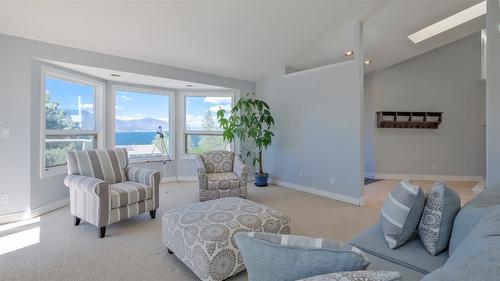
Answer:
(249, 120)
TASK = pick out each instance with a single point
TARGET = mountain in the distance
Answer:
(140, 125)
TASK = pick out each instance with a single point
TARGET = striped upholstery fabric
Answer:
(401, 213)
(89, 199)
(148, 178)
(122, 213)
(104, 190)
(126, 193)
(108, 165)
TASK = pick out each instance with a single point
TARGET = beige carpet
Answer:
(132, 250)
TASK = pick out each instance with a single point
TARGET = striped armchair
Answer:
(104, 189)
(221, 174)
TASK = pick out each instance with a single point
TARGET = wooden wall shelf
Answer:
(409, 119)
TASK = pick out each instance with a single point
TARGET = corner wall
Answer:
(448, 80)
(318, 124)
(493, 95)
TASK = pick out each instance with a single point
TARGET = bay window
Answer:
(143, 122)
(202, 131)
(70, 117)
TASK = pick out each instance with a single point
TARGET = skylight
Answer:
(449, 23)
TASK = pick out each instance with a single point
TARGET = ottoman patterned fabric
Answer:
(202, 234)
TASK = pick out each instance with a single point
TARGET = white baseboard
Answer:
(29, 214)
(480, 186)
(174, 179)
(191, 179)
(319, 192)
(422, 177)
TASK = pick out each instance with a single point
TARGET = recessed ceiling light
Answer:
(449, 23)
(189, 85)
(349, 53)
(367, 62)
(115, 75)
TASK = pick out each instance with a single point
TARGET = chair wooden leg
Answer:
(102, 231)
(152, 214)
(169, 251)
(77, 221)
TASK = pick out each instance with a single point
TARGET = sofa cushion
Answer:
(412, 255)
(401, 213)
(441, 206)
(105, 164)
(218, 161)
(291, 257)
(359, 275)
(126, 193)
(478, 255)
(471, 214)
(223, 181)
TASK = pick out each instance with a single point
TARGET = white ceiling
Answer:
(135, 78)
(240, 39)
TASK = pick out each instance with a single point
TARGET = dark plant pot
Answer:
(261, 180)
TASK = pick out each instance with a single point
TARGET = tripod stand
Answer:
(160, 144)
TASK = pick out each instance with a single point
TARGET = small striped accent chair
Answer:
(221, 174)
(105, 190)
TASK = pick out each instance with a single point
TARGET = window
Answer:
(143, 122)
(69, 117)
(202, 131)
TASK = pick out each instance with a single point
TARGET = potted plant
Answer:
(250, 120)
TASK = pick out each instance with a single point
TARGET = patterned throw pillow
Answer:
(280, 257)
(361, 275)
(401, 213)
(441, 206)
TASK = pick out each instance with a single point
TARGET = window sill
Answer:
(188, 157)
(53, 172)
(149, 159)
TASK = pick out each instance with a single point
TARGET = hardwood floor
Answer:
(376, 193)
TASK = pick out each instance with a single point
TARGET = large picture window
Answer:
(69, 117)
(202, 131)
(143, 122)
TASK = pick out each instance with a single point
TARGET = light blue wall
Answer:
(493, 95)
(318, 125)
(20, 110)
(446, 79)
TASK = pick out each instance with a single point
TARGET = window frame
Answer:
(98, 132)
(201, 93)
(139, 89)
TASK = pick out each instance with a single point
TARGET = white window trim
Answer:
(171, 121)
(56, 73)
(201, 93)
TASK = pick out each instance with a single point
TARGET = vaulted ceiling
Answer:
(240, 39)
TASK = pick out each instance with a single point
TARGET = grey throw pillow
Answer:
(361, 275)
(280, 257)
(441, 206)
(401, 213)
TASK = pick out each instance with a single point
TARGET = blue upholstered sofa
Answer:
(473, 252)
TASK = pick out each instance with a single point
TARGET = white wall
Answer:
(318, 124)
(20, 110)
(493, 95)
(447, 79)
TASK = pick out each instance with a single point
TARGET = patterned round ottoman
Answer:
(202, 234)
